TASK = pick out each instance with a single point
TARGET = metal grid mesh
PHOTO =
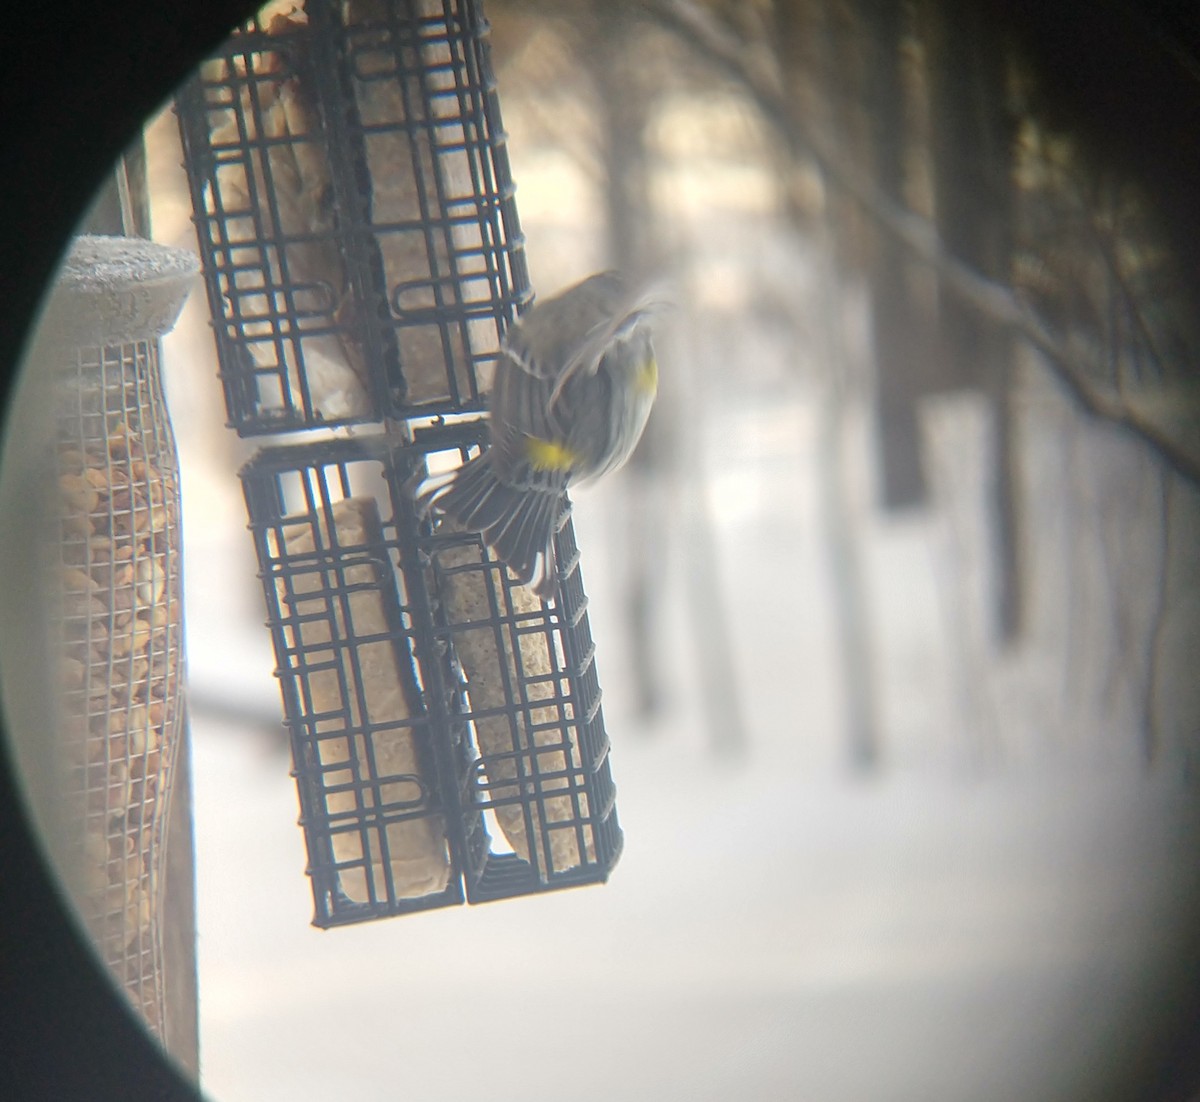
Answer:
(119, 628)
(354, 212)
(540, 753)
(446, 724)
(362, 257)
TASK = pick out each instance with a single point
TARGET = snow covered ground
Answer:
(766, 935)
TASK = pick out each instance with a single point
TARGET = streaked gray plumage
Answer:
(574, 385)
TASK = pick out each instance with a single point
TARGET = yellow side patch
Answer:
(546, 455)
(646, 379)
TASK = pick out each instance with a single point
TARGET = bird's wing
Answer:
(519, 398)
(586, 357)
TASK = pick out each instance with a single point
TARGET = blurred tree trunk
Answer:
(621, 62)
(610, 57)
(972, 170)
(900, 325)
(822, 62)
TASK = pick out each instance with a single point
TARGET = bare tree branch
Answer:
(1071, 364)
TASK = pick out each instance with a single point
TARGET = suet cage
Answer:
(362, 257)
(355, 213)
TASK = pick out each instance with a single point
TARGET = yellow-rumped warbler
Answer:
(574, 385)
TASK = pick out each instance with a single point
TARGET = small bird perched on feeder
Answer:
(573, 390)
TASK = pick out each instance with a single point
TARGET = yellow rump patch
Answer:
(546, 455)
(646, 379)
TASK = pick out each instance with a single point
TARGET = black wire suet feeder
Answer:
(362, 257)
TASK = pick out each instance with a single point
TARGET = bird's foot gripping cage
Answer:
(446, 724)
(362, 257)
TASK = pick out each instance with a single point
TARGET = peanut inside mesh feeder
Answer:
(116, 592)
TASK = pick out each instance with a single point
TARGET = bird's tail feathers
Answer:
(517, 524)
